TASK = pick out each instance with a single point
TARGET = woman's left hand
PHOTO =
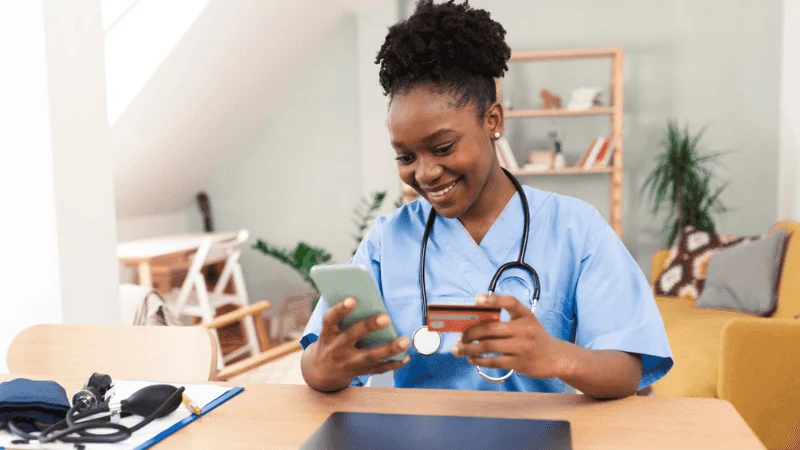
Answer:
(522, 343)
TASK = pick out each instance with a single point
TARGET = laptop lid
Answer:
(353, 430)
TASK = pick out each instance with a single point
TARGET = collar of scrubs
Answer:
(501, 244)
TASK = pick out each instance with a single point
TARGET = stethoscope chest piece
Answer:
(426, 342)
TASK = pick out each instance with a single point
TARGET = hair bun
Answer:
(440, 40)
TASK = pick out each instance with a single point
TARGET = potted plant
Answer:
(305, 256)
(682, 183)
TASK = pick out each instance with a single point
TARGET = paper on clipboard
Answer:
(207, 397)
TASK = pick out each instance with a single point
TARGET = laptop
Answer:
(376, 431)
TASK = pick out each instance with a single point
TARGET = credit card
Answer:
(457, 318)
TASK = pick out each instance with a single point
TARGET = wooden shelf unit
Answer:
(518, 113)
(564, 171)
(615, 112)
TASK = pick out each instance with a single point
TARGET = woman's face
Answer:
(443, 152)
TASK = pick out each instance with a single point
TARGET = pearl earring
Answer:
(497, 135)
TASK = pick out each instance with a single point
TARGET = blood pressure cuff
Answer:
(26, 400)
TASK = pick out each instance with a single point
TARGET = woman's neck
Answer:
(493, 198)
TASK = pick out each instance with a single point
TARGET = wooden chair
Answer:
(293, 315)
(194, 299)
(267, 352)
(178, 354)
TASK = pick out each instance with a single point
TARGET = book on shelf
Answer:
(506, 155)
(598, 154)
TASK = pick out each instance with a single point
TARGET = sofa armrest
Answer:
(657, 265)
(759, 374)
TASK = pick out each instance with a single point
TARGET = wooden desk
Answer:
(167, 251)
(277, 416)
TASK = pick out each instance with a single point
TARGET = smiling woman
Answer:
(585, 317)
(444, 116)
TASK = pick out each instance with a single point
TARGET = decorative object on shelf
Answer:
(681, 182)
(540, 160)
(550, 100)
(584, 98)
(558, 158)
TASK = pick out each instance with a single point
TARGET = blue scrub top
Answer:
(593, 293)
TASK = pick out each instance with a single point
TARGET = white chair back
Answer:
(207, 302)
(195, 281)
(232, 251)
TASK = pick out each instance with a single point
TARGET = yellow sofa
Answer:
(752, 362)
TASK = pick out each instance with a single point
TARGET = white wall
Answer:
(378, 166)
(30, 272)
(789, 166)
(154, 226)
(60, 264)
(299, 175)
(140, 34)
(211, 91)
(82, 162)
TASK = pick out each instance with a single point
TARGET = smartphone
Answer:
(337, 282)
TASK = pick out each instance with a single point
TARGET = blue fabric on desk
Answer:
(23, 400)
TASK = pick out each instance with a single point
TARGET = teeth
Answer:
(443, 191)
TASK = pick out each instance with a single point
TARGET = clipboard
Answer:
(207, 396)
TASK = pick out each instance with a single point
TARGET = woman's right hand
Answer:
(333, 361)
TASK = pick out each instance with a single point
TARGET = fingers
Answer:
(499, 362)
(487, 330)
(334, 316)
(364, 327)
(501, 346)
(387, 366)
(373, 357)
(514, 307)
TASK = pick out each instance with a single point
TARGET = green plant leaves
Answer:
(682, 183)
(364, 214)
(302, 258)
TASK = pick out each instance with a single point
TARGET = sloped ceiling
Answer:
(213, 89)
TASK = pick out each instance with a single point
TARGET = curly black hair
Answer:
(457, 49)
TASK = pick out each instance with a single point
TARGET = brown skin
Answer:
(438, 144)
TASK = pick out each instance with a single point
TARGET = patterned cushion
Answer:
(685, 269)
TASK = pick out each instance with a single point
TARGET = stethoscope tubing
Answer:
(519, 264)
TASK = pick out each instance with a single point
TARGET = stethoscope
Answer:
(94, 408)
(428, 342)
